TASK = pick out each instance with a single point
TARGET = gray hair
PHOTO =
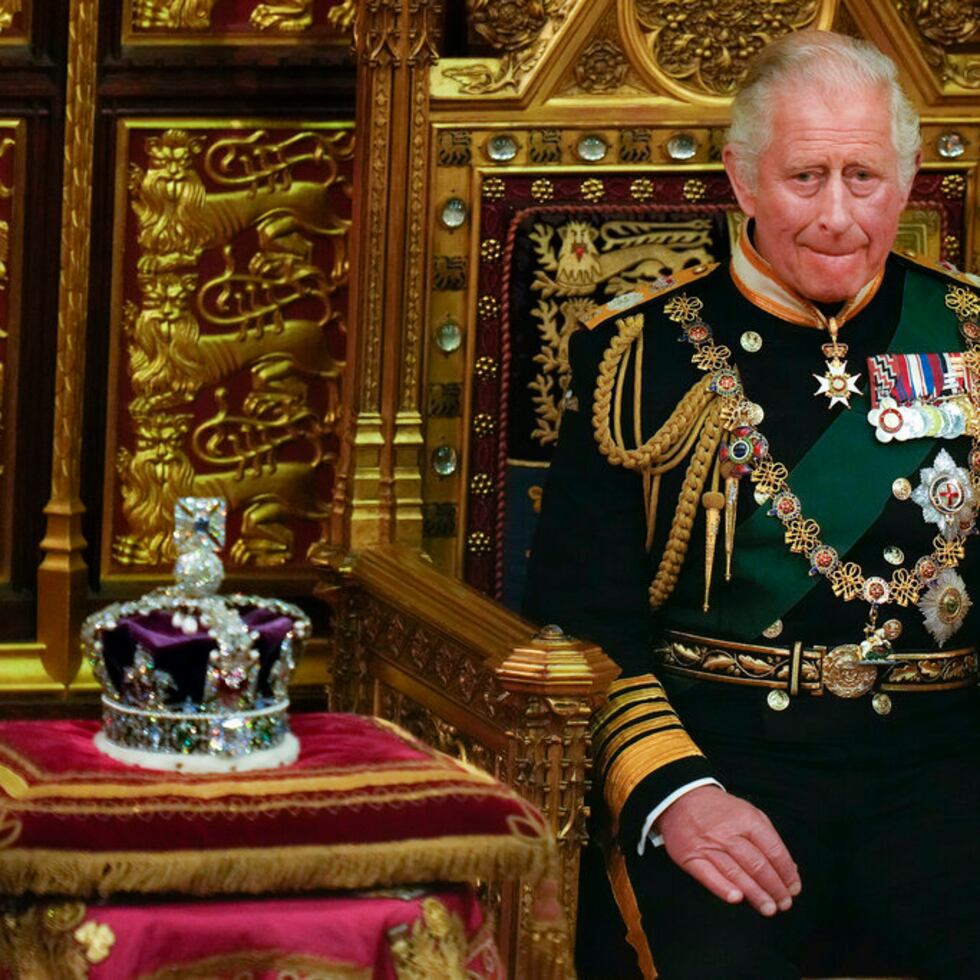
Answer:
(828, 62)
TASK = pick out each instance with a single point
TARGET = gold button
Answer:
(882, 704)
(892, 629)
(751, 341)
(902, 489)
(777, 700)
(894, 555)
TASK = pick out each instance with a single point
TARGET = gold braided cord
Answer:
(638, 392)
(695, 420)
(617, 415)
(687, 507)
(658, 448)
(680, 453)
(651, 498)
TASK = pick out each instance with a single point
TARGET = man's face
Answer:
(828, 197)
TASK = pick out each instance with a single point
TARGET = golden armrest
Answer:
(418, 647)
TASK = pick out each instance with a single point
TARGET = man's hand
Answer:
(731, 848)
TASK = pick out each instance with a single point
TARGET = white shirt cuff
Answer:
(656, 839)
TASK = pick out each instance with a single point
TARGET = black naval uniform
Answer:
(879, 811)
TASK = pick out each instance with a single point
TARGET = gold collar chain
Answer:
(803, 534)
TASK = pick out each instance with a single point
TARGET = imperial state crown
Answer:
(192, 680)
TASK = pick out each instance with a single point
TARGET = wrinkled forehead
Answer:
(834, 115)
(798, 93)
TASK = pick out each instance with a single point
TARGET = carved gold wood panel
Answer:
(12, 146)
(700, 50)
(948, 36)
(229, 323)
(15, 21)
(235, 21)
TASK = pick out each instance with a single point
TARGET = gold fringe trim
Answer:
(268, 869)
(248, 964)
(622, 890)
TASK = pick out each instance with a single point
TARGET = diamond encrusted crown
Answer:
(192, 680)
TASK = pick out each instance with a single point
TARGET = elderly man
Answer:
(762, 506)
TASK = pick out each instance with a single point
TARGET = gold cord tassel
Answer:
(731, 515)
(713, 503)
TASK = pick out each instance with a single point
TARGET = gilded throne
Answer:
(502, 197)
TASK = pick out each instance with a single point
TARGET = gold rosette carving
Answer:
(946, 33)
(693, 46)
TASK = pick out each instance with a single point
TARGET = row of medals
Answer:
(946, 495)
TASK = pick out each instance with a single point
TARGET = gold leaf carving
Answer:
(285, 16)
(947, 34)
(707, 46)
(282, 16)
(602, 66)
(508, 26)
(342, 16)
(433, 946)
(8, 9)
(191, 15)
(522, 30)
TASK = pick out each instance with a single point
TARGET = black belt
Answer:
(801, 669)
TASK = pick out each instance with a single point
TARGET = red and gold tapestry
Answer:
(403, 934)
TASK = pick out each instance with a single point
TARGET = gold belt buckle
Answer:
(844, 673)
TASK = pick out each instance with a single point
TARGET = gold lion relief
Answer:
(283, 16)
(236, 313)
(8, 10)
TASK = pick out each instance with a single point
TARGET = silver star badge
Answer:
(946, 496)
(945, 605)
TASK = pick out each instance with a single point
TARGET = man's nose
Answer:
(835, 213)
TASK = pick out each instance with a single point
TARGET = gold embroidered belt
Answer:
(800, 669)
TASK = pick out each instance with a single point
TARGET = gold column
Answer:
(378, 494)
(62, 580)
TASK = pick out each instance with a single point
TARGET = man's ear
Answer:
(918, 163)
(745, 197)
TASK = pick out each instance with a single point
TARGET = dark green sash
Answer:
(844, 482)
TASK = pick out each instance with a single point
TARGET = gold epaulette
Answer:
(644, 292)
(945, 269)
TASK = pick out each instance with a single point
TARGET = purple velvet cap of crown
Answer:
(185, 656)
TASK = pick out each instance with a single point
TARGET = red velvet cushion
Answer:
(365, 804)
